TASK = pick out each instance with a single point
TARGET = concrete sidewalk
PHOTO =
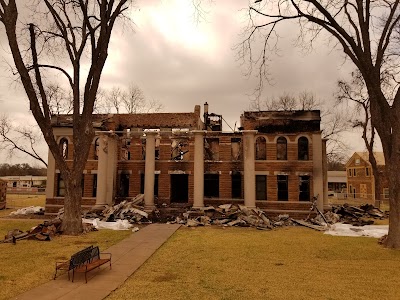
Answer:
(127, 256)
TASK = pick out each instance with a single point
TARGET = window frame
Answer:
(282, 179)
(261, 148)
(303, 148)
(281, 148)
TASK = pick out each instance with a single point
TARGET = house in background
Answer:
(28, 183)
(361, 180)
(276, 161)
(337, 183)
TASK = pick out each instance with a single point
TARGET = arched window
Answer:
(261, 148)
(64, 148)
(302, 148)
(281, 148)
(96, 148)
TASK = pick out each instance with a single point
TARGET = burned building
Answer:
(275, 161)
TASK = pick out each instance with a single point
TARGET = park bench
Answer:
(95, 260)
(76, 260)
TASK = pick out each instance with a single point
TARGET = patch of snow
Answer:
(375, 231)
(27, 210)
(118, 225)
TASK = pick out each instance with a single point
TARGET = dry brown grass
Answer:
(244, 263)
(21, 200)
(30, 263)
(16, 201)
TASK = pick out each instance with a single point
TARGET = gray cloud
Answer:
(181, 77)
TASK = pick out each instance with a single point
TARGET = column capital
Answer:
(202, 132)
(248, 132)
(151, 133)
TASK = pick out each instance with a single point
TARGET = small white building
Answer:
(337, 183)
(18, 183)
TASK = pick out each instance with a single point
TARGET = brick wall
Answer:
(225, 166)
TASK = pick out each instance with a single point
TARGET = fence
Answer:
(358, 199)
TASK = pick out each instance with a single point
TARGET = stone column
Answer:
(51, 174)
(198, 194)
(318, 176)
(102, 168)
(150, 165)
(111, 169)
(325, 174)
(249, 168)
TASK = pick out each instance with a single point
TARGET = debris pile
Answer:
(232, 215)
(358, 215)
(43, 232)
(236, 215)
(126, 210)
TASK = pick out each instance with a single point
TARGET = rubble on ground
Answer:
(236, 215)
(42, 232)
(122, 216)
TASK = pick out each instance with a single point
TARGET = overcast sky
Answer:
(181, 63)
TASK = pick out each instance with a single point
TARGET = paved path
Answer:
(127, 256)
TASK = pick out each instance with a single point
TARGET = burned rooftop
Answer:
(282, 121)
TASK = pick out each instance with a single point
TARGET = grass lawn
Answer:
(16, 201)
(30, 263)
(22, 200)
(244, 263)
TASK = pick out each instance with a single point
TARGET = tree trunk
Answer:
(72, 221)
(393, 239)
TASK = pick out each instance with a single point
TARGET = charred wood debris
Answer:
(237, 215)
(225, 215)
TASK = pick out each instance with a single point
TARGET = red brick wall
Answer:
(225, 166)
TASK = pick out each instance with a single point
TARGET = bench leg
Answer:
(73, 275)
(86, 277)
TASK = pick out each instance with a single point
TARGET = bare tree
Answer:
(20, 139)
(355, 91)
(368, 33)
(132, 101)
(58, 100)
(114, 98)
(79, 31)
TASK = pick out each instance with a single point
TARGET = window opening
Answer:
(124, 185)
(211, 185)
(179, 188)
(96, 148)
(211, 147)
(60, 186)
(94, 188)
(281, 148)
(283, 193)
(261, 187)
(64, 148)
(302, 148)
(236, 185)
(304, 188)
(261, 148)
(236, 149)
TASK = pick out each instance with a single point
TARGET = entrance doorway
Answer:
(179, 188)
